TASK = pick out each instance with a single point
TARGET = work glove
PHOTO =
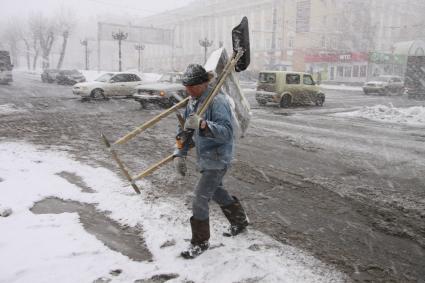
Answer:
(192, 122)
(180, 165)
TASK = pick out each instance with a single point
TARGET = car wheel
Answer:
(172, 102)
(285, 101)
(366, 92)
(385, 92)
(97, 94)
(142, 104)
(320, 99)
(261, 102)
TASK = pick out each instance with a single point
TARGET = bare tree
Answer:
(23, 34)
(65, 24)
(36, 49)
(44, 34)
(33, 30)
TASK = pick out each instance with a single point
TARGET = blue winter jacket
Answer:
(214, 146)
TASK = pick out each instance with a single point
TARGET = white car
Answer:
(385, 85)
(107, 85)
(167, 91)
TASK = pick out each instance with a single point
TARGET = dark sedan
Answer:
(165, 93)
(70, 77)
(49, 75)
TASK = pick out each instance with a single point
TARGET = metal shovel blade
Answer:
(240, 40)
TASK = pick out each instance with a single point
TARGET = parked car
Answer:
(70, 77)
(49, 75)
(385, 85)
(288, 88)
(6, 67)
(108, 84)
(167, 91)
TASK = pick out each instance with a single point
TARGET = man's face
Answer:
(196, 90)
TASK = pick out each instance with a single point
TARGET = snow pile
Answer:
(414, 116)
(56, 248)
(9, 108)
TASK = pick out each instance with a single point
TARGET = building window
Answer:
(356, 71)
(303, 11)
(363, 71)
(323, 41)
(340, 71)
(268, 44)
(291, 43)
(347, 72)
(334, 43)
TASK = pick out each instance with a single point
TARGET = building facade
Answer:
(330, 37)
(214, 20)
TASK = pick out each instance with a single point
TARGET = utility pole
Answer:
(139, 47)
(273, 42)
(120, 36)
(205, 43)
(85, 43)
(99, 32)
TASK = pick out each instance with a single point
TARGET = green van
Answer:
(288, 88)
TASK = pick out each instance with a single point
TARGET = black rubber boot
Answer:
(200, 237)
(236, 215)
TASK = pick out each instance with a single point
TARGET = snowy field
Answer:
(412, 116)
(32, 246)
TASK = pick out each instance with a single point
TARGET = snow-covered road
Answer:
(56, 248)
(341, 182)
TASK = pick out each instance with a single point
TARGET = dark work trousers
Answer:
(210, 186)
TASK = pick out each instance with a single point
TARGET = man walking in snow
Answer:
(214, 140)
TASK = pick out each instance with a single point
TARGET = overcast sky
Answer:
(87, 8)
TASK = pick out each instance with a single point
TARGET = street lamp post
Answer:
(392, 60)
(85, 43)
(205, 43)
(139, 47)
(120, 36)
